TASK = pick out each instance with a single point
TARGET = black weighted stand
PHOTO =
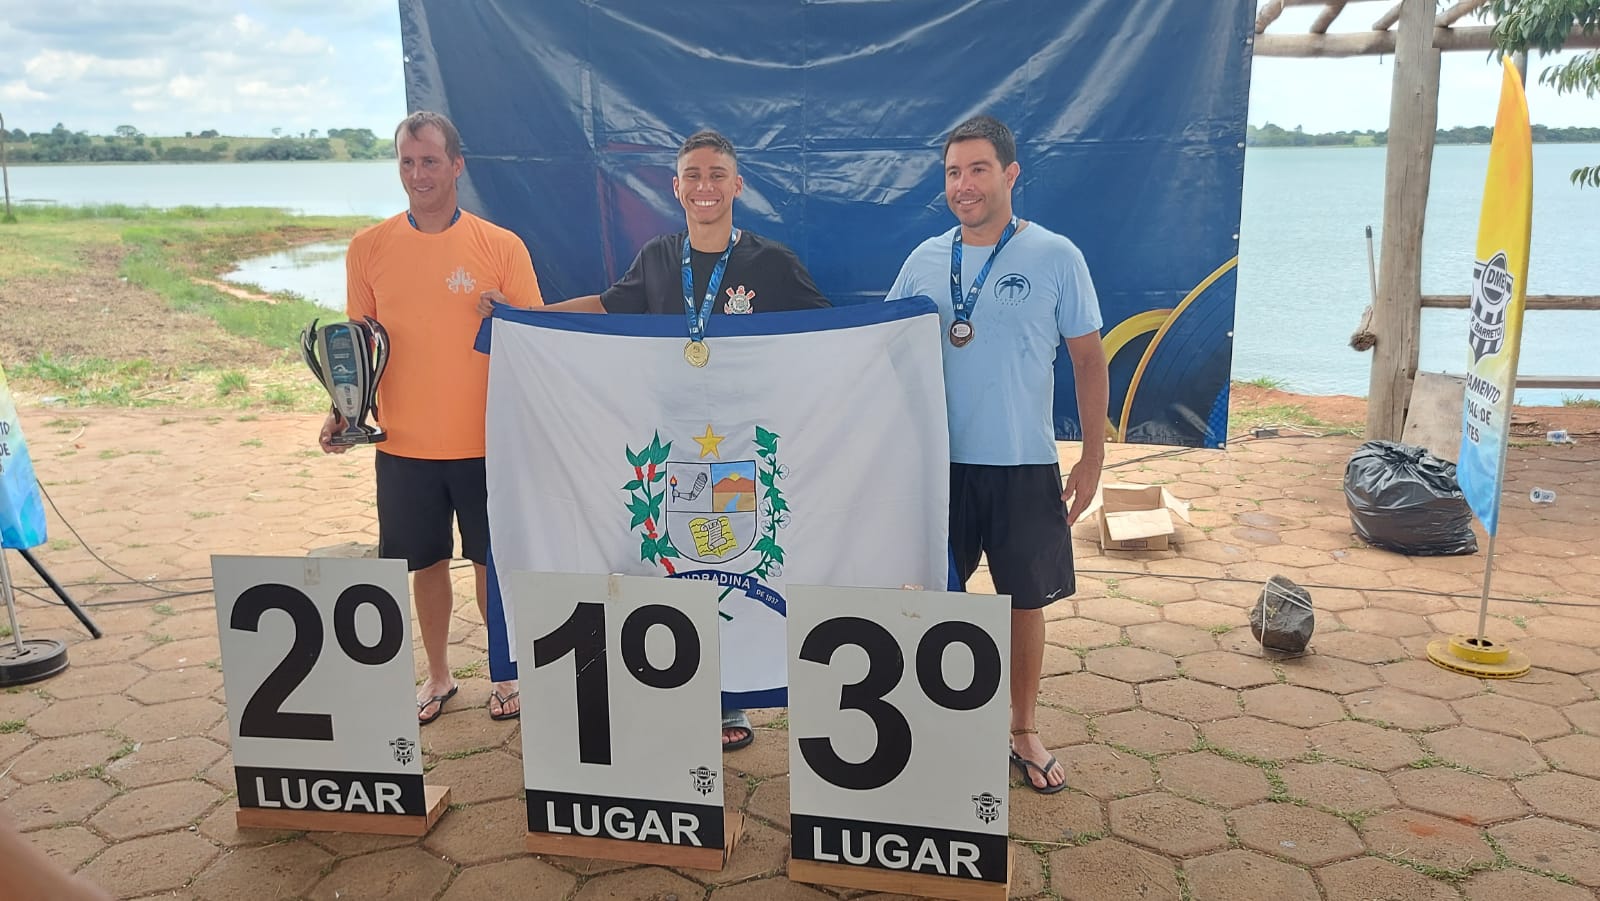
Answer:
(94, 631)
(23, 661)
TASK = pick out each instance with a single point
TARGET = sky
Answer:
(248, 67)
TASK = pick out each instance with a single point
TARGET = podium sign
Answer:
(898, 714)
(621, 724)
(318, 671)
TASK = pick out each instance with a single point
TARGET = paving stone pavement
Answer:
(1199, 767)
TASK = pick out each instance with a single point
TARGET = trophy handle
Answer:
(380, 355)
(308, 350)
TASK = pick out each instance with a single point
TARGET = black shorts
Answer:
(416, 499)
(1014, 515)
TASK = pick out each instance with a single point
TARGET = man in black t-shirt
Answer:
(756, 275)
(762, 276)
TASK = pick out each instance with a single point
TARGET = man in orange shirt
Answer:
(421, 274)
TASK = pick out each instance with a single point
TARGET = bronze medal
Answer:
(960, 333)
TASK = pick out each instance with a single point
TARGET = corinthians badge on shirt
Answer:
(739, 300)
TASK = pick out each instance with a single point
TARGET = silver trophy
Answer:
(348, 358)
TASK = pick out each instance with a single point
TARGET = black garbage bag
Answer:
(1403, 498)
(1282, 619)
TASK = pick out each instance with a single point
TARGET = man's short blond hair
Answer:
(421, 119)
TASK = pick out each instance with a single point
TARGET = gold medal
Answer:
(697, 353)
(960, 332)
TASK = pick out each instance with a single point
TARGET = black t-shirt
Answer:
(762, 277)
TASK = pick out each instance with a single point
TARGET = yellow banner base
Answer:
(1481, 657)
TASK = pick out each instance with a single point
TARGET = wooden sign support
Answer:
(713, 859)
(367, 823)
(895, 882)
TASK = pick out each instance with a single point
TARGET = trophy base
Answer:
(356, 439)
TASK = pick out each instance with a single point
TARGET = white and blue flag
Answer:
(811, 449)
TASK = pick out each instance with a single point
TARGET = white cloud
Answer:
(298, 43)
(18, 91)
(185, 87)
(246, 27)
(56, 66)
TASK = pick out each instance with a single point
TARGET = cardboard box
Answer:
(1137, 517)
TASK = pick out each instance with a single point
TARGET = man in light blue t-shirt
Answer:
(1009, 293)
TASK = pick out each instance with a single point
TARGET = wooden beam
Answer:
(1329, 13)
(1382, 43)
(1545, 381)
(1533, 302)
(1397, 317)
(1449, 16)
(1355, 43)
(1272, 9)
(1387, 20)
(1558, 381)
(1268, 14)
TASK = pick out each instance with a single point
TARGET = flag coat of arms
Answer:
(21, 510)
(1499, 284)
(812, 449)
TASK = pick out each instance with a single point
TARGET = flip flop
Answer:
(436, 699)
(1023, 765)
(502, 715)
(736, 719)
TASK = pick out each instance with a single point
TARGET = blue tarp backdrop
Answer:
(1129, 115)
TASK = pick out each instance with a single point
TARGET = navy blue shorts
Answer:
(1013, 514)
(417, 499)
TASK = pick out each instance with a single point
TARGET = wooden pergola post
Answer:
(1397, 317)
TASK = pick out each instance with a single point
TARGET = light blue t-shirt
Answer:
(999, 388)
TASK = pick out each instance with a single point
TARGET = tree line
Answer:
(1271, 135)
(129, 145)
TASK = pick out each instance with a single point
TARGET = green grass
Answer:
(9, 726)
(1281, 415)
(1265, 381)
(1573, 400)
(232, 382)
(158, 254)
(92, 380)
(165, 251)
(473, 670)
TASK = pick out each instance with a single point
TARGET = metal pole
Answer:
(11, 606)
(94, 631)
(1372, 269)
(1483, 603)
(5, 173)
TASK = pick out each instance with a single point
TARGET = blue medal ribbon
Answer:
(413, 220)
(697, 321)
(963, 307)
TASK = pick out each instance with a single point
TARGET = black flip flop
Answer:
(502, 715)
(1023, 765)
(436, 699)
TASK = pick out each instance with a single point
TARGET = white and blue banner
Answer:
(21, 511)
(812, 448)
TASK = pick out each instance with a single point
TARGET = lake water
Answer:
(1302, 264)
